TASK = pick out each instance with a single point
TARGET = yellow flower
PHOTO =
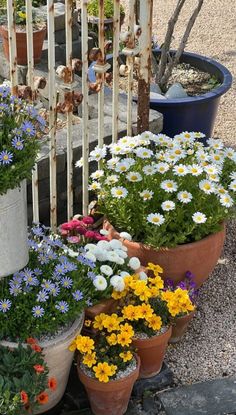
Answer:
(117, 295)
(73, 346)
(84, 344)
(157, 282)
(22, 15)
(130, 312)
(113, 369)
(98, 321)
(112, 339)
(154, 291)
(111, 323)
(127, 328)
(87, 323)
(124, 339)
(126, 356)
(154, 322)
(142, 291)
(146, 311)
(89, 359)
(155, 268)
(103, 371)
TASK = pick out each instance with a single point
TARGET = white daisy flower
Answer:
(221, 191)
(211, 169)
(197, 134)
(207, 186)
(111, 164)
(143, 152)
(233, 175)
(199, 217)
(171, 158)
(126, 235)
(98, 153)
(217, 158)
(116, 149)
(230, 153)
(180, 170)
(122, 166)
(107, 270)
(188, 136)
(215, 143)
(146, 135)
(195, 170)
(149, 170)
(202, 156)
(160, 138)
(100, 283)
(226, 200)
(94, 186)
(134, 176)
(119, 192)
(123, 141)
(97, 174)
(146, 194)
(80, 162)
(112, 179)
(117, 283)
(169, 186)
(184, 197)
(232, 185)
(168, 205)
(162, 167)
(178, 152)
(134, 263)
(214, 177)
(156, 219)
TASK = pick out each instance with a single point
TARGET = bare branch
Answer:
(168, 38)
(182, 45)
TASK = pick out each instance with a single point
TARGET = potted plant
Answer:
(24, 380)
(172, 196)
(39, 33)
(107, 365)
(21, 131)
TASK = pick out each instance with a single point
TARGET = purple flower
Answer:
(5, 305)
(189, 275)
(182, 285)
(86, 261)
(55, 290)
(69, 266)
(38, 311)
(66, 282)
(17, 277)
(28, 128)
(4, 91)
(89, 302)
(4, 107)
(169, 283)
(42, 296)
(17, 143)
(38, 272)
(43, 258)
(47, 285)
(17, 132)
(29, 278)
(62, 306)
(51, 255)
(60, 269)
(41, 121)
(78, 295)
(6, 157)
(37, 231)
(32, 244)
(91, 275)
(15, 290)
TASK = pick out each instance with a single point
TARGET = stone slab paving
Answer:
(217, 397)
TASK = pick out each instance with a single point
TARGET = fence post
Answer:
(85, 115)
(115, 89)
(12, 45)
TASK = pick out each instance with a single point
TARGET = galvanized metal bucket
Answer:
(13, 230)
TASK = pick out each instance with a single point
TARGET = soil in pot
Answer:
(180, 327)
(152, 352)
(110, 398)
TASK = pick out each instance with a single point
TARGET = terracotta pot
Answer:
(110, 398)
(21, 44)
(107, 306)
(198, 257)
(152, 352)
(59, 359)
(180, 326)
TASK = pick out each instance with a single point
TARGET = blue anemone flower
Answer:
(38, 311)
(5, 305)
(6, 157)
(28, 128)
(62, 306)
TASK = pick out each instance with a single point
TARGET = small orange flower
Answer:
(42, 398)
(24, 397)
(52, 384)
(36, 348)
(39, 368)
(31, 340)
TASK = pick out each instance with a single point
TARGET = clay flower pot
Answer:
(152, 352)
(21, 44)
(200, 257)
(110, 398)
(180, 326)
(107, 306)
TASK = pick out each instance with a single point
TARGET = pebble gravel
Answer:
(208, 350)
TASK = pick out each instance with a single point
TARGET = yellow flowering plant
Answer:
(110, 351)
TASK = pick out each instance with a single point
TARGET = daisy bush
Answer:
(165, 191)
(21, 130)
(59, 282)
(24, 380)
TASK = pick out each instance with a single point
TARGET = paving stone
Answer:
(217, 397)
(155, 383)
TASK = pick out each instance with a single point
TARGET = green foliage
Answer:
(17, 375)
(21, 129)
(93, 9)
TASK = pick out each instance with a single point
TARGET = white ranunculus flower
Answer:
(100, 283)
(134, 263)
(104, 245)
(124, 248)
(126, 235)
(124, 274)
(72, 253)
(118, 283)
(90, 256)
(115, 244)
(100, 254)
(121, 253)
(105, 269)
(143, 276)
(120, 261)
(90, 247)
(112, 256)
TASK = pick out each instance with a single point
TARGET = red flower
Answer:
(42, 398)
(81, 230)
(31, 340)
(24, 397)
(90, 234)
(36, 348)
(66, 226)
(52, 384)
(88, 220)
(39, 368)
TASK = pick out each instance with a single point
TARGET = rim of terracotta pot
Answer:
(181, 247)
(185, 317)
(57, 338)
(5, 29)
(109, 385)
(158, 338)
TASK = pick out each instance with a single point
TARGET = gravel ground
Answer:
(208, 350)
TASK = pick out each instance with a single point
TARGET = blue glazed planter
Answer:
(194, 113)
